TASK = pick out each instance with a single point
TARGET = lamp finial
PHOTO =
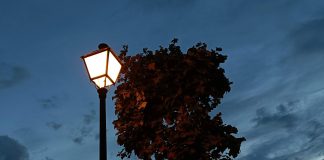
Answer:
(103, 45)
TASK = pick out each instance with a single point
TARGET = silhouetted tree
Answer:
(163, 105)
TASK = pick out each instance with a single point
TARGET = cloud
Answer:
(48, 158)
(33, 138)
(97, 136)
(48, 103)
(290, 131)
(303, 63)
(54, 125)
(86, 129)
(53, 101)
(89, 117)
(285, 91)
(83, 133)
(308, 38)
(11, 75)
(306, 142)
(283, 117)
(78, 140)
(10, 149)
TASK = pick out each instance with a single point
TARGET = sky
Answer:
(275, 49)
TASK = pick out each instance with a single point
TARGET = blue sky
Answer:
(49, 109)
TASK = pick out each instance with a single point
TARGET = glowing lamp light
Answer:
(103, 66)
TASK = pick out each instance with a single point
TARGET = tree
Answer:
(163, 104)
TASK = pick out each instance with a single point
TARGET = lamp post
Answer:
(103, 67)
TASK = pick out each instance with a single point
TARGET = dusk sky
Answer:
(275, 49)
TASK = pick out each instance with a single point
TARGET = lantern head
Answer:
(103, 67)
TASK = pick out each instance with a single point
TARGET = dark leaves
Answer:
(163, 104)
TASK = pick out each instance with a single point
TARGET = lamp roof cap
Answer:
(103, 46)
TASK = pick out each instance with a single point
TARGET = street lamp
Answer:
(103, 67)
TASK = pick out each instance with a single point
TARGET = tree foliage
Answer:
(163, 104)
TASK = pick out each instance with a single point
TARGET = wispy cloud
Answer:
(293, 130)
(78, 140)
(87, 128)
(32, 139)
(54, 125)
(48, 158)
(308, 38)
(283, 117)
(286, 93)
(48, 103)
(83, 133)
(89, 117)
(52, 102)
(11, 75)
(10, 149)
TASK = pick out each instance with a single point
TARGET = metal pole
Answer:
(102, 134)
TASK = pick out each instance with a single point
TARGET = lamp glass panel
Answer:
(108, 82)
(96, 64)
(102, 82)
(113, 67)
